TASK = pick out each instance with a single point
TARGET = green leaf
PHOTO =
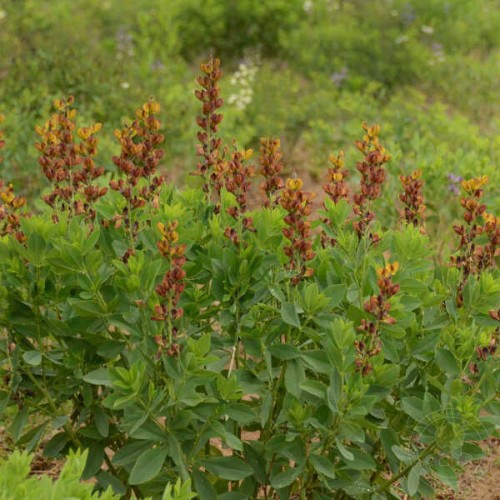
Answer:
(20, 420)
(54, 447)
(322, 465)
(414, 407)
(129, 453)
(33, 358)
(95, 458)
(344, 451)
(37, 250)
(106, 479)
(404, 454)
(294, 376)
(317, 361)
(265, 410)
(289, 314)
(361, 460)
(336, 294)
(255, 456)
(334, 391)
(286, 478)
(85, 308)
(387, 375)
(240, 412)
(203, 487)
(32, 437)
(98, 377)
(101, 421)
(315, 388)
(447, 362)
(284, 352)
(447, 474)
(148, 465)
(230, 468)
(413, 481)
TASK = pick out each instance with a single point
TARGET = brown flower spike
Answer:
(270, 168)
(10, 215)
(336, 189)
(237, 176)
(373, 176)
(377, 306)
(67, 164)
(139, 159)
(413, 211)
(171, 288)
(473, 257)
(297, 203)
(209, 148)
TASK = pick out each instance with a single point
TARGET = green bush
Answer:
(179, 336)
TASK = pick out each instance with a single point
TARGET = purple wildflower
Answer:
(454, 184)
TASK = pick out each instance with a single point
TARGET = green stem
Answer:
(55, 411)
(387, 484)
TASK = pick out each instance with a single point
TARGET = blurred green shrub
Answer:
(321, 66)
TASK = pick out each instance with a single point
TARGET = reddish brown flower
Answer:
(171, 287)
(236, 178)
(209, 149)
(378, 306)
(139, 159)
(413, 211)
(10, 212)
(472, 256)
(373, 176)
(270, 168)
(336, 187)
(297, 203)
(69, 165)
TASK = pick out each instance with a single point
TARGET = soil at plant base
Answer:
(481, 479)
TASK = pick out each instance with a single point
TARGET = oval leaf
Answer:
(231, 468)
(148, 466)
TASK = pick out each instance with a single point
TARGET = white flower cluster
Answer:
(439, 54)
(308, 6)
(242, 81)
(402, 39)
(124, 44)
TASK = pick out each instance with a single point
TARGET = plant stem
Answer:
(387, 484)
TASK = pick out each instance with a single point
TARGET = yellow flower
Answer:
(388, 270)
(151, 108)
(161, 227)
(7, 196)
(84, 133)
(337, 161)
(294, 184)
(475, 184)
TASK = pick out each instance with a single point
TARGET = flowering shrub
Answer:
(184, 338)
